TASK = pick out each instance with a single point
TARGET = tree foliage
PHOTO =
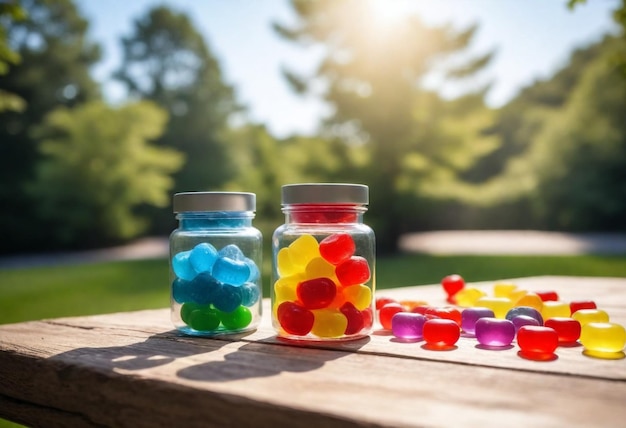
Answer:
(372, 77)
(563, 159)
(55, 57)
(98, 167)
(166, 60)
(578, 160)
(8, 57)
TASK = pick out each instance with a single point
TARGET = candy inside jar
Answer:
(323, 264)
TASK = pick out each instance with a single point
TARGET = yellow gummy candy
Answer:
(285, 288)
(320, 268)
(603, 337)
(532, 300)
(499, 305)
(283, 263)
(503, 289)
(468, 296)
(554, 308)
(359, 295)
(585, 316)
(515, 295)
(329, 323)
(303, 250)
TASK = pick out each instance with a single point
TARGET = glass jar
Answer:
(215, 262)
(323, 263)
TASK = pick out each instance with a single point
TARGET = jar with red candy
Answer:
(323, 263)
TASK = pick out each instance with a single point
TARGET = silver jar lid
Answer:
(214, 201)
(319, 193)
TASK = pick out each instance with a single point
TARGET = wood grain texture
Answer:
(132, 369)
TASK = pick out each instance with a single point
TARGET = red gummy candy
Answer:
(382, 301)
(356, 321)
(295, 319)
(582, 304)
(368, 318)
(568, 329)
(337, 248)
(421, 309)
(447, 313)
(547, 296)
(316, 293)
(353, 271)
(387, 312)
(535, 339)
(452, 284)
(441, 332)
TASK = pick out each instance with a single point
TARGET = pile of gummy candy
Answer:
(538, 322)
(215, 288)
(321, 288)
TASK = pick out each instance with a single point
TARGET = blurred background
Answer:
(458, 115)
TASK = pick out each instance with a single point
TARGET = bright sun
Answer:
(390, 12)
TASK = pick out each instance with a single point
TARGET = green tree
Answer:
(618, 58)
(8, 56)
(371, 74)
(167, 61)
(569, 173)
(264, 164)
(579, 158)
(53, 71)
(98, 167)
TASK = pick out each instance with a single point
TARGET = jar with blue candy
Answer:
(215, 262)
(323, 263)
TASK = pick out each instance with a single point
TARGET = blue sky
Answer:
(532, 39)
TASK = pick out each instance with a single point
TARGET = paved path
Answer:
(513, 242)
(495, 242)
(144, 248)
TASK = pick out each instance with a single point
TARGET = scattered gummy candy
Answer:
(510, 316)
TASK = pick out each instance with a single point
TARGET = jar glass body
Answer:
(215, 263)
(323, 273)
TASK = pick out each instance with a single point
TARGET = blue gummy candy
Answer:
(254, 270)
(229, 271)
(232, 252)
(202, 257)
(181, 290)
(250, 294)
(204, 289)
(182, 267)
(524, 310)
(227, 298)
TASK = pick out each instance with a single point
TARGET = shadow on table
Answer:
(264, 358)
(269, 358)
(156, 350)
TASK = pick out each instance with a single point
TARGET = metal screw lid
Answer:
(214, 201)
(333, 193)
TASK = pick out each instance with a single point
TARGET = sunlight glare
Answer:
(390, 12)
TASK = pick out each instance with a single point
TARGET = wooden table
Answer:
(133, 370)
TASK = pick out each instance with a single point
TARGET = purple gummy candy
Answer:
(408, 325)
(495, 332)
(469, 317)
(522, 320)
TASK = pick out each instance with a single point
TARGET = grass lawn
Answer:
(46, 292)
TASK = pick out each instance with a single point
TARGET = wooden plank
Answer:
(131, 369)
(245, 383)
